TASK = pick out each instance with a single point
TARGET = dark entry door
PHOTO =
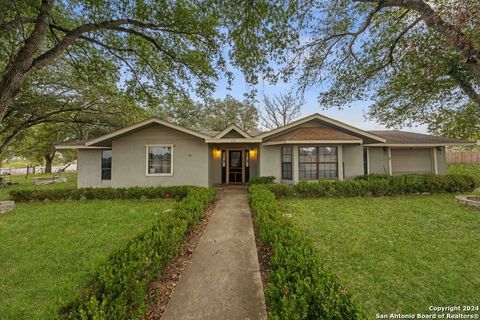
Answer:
(235, 166)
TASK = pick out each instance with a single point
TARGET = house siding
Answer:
(190, 158)
(441, 161)
(352, 160)
(378, 160)
(89, 166)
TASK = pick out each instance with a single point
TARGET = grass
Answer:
(49, 248)
(470, 169)
(397, 254)
(28, 182)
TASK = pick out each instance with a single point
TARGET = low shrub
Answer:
(372, 176)
(299, 287)
(378, 185)
(177, 192)
(118, 287)
(261, 180)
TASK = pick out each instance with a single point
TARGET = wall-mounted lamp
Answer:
(217, 153)
(439, 149)
(253, 153)
(385, 149)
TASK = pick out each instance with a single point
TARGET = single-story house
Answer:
(155, 152)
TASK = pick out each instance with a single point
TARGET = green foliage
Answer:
(261, 180)
(213, 114)
(472, 170)
(379, 185)
(177, 192)
(50, 248)
(299, 287)
(391, 251)
(463, 123)
(118, 288)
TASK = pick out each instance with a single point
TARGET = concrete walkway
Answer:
(223, 279)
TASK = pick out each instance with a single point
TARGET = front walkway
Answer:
(223, 279)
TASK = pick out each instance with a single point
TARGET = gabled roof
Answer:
(317, 116)
(140, 125)
(398, 138)
(230, 128)
(304, 135)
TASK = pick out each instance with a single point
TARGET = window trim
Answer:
(101, 164)
(317, 162)
(147, 146)
(282, 162)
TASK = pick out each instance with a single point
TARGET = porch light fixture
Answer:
(253, 153)
(217, 153)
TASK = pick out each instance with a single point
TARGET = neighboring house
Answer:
(155, 152)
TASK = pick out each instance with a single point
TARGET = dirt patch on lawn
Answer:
(161, 290)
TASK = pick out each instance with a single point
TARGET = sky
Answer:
(354, 115)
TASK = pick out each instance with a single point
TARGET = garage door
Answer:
(406, 161)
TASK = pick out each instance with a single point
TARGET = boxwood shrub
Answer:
(299, 287)
(379, 185)
(261, 180)
(118, 287)
(177, 192)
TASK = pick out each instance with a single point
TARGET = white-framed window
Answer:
(317, 162)
(159, 160)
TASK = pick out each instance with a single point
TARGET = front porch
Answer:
(233, 163)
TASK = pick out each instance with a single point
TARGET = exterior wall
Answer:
(352, 160)
(190, 158)
(378, 160)
(271, 162)
(412, 160)
(441, 160)
(89, 166)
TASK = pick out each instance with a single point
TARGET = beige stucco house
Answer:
(155, 152)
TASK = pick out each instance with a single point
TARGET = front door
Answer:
(235, 172)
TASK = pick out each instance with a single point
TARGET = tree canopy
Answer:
(413, 59)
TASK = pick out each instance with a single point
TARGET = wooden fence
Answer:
(466, 157)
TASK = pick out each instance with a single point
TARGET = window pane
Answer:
(286, 154)
(327, 154)
(327, 170)
(308, 171)
(308, 154)
(106, 164)
(287, 171)
(159, 160)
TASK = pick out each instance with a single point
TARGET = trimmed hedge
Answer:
(299, 287)
(118, 287)
(378, 185)
(261, 180)
(177, 192)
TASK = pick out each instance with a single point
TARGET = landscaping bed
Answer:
(396, 254)
(94, 276)
(48, 249)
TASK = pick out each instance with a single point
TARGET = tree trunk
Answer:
(15, 74)
(48, 162)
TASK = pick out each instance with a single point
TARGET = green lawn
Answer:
(28, 182)
(470, 169)
(397, 254)
(47, 249)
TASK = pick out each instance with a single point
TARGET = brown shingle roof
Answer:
(404, 137)
(314, 133)
(252, 133)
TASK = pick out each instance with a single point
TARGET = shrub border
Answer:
(118, 288)
(378, 185)
(299, 286)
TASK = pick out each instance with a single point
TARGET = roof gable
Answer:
(227, 132)
(315, 134)
(140, 125)
(334, 124)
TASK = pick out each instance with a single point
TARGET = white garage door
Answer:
(406, 161)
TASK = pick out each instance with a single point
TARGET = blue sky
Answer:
(354, 115)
